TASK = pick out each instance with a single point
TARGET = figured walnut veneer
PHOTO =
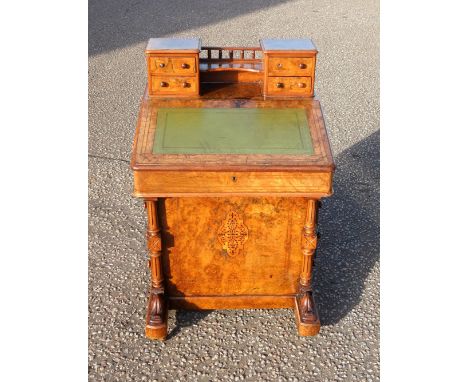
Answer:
(232, 246)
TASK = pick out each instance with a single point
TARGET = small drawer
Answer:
(172, 65)
(286, 66)
(173, 85)
(289, 85)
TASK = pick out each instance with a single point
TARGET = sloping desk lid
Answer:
(250, 135)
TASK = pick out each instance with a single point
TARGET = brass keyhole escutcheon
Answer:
(234, 178)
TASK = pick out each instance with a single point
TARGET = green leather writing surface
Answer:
(232, 131)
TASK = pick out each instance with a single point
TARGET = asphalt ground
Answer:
(249, 345)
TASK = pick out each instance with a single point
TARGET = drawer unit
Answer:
(172, 65)
(174, 85)
(289, 67)
(289, 85)
(173, 68)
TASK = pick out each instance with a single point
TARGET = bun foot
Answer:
(307, 320)
(156, 317)
(156, 333)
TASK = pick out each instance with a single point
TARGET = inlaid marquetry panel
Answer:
(233, 234)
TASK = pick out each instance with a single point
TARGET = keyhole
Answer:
(234, 179)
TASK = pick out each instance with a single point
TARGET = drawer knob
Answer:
(280, 85)
(185, 66)
(301, 84)
(162, 65)
(302, 66)
(279, 66)
(164, 84)
(185, 85)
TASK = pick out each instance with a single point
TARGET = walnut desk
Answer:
(231, 158)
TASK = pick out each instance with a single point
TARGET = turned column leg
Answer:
(308, 323)
(156, 315)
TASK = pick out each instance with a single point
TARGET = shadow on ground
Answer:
(350, 232)
(115, 24)
(186, 318)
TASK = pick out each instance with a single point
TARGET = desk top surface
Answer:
(300, 44)
(248, 134)
(173, 44)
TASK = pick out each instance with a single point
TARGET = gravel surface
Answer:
(250, 345)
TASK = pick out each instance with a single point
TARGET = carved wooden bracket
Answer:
(233, 234)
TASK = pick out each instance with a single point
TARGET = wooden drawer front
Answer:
(183, 183)
(285, 66)
(289, 85)
(173, 85)
(173, 65)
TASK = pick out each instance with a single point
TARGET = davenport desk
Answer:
(231, 158)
